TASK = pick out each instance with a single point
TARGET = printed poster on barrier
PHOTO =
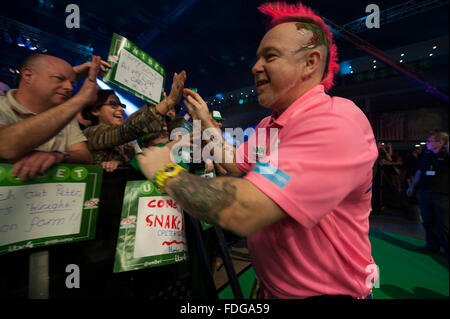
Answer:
(134, 71)
(59, 206)
(151, 230)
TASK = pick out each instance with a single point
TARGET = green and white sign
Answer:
(152, 231)
(59, 206)
(134, 71)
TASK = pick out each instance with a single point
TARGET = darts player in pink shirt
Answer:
(303, 201)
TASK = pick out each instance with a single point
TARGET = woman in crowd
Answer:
(110, 135)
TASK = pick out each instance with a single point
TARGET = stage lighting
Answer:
(20, 41)
(31, 44)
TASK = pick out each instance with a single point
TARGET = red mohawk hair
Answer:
(280, 12)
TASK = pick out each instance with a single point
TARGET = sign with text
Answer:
(134, 71)
(59, 206)
(151, 231)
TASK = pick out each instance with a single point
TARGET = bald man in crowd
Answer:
(37, 121)
(304, 205)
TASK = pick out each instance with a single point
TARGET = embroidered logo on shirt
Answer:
(275, 175)
(259, 151)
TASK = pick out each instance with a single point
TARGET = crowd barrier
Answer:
(44, 272)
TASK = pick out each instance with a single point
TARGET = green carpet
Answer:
(404, 272)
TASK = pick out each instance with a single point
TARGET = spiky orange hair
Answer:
(280, 12)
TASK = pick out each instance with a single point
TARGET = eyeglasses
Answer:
(115, 105)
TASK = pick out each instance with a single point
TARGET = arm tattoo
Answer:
(202, 198)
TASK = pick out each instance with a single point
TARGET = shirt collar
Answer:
(16, 106)
(305, 100)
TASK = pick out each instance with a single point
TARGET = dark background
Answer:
(215, 42)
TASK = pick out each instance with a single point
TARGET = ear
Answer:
(312, 62)
(26, 74)
(95, 112)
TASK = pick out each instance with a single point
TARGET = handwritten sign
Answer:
(135, 74)
(58, 206)
(134, 70)
(151, 231)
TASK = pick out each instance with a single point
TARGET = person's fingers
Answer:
(105, 65)
(187, 92)
(34, 169)
(112, 166)
(194, 95)
(183, 76)
(189, 106)
(193, 102)
(29, 170)
(17, 168)
(23, 173)
(47, 164)
(94, 69)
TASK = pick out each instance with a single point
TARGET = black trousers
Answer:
(434, 209)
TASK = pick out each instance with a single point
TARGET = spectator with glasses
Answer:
(110, 136)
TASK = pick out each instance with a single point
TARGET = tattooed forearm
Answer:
(202, 198)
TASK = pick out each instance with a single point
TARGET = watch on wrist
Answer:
(166, 172)
(65, 156)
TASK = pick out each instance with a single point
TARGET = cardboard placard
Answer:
(134, 71)
(59, 206)
(152, 231)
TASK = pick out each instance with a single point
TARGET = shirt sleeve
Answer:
(107, 136)
(75, 135)
(317, 164)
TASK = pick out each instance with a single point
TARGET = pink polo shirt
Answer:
(320, 175)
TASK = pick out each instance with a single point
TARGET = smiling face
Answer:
(111, 112)
(284, 70)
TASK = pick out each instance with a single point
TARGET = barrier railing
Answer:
(84, 269)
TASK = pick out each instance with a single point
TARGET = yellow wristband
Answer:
(166, 172)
